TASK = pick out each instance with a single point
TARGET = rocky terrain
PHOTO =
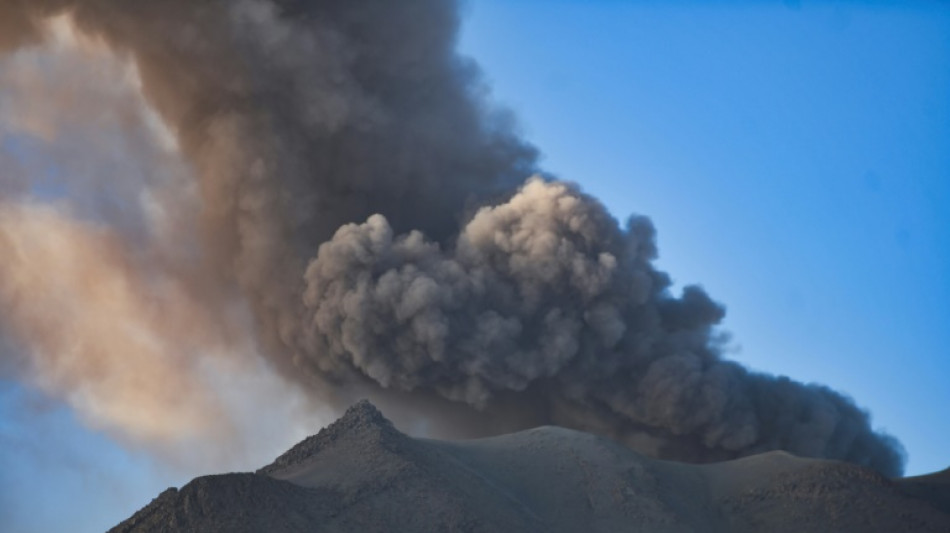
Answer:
(361, 474)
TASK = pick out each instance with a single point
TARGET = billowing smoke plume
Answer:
(358, 195)
(106, 301)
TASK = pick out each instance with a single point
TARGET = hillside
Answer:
(362, 474)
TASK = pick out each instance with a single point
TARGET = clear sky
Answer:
(795, 158)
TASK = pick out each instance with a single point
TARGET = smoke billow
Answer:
(355, 193)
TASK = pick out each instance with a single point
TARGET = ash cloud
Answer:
(546, 296)
(355, 190)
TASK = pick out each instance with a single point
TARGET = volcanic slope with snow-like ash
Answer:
(362, 474)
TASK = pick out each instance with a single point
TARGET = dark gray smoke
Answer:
(362, 196)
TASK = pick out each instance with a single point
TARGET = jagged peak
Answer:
(361, 420)
(364, 412)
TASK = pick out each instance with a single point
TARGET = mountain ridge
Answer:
(362, 474)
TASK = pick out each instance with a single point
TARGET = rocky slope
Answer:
(361, 474)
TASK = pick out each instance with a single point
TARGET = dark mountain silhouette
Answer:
(362, 474)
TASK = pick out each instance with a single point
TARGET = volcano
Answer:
(362, 474)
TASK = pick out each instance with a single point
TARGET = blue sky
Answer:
(795, 158)
(67, 477)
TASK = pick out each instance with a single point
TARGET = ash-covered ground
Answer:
(362, 474)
